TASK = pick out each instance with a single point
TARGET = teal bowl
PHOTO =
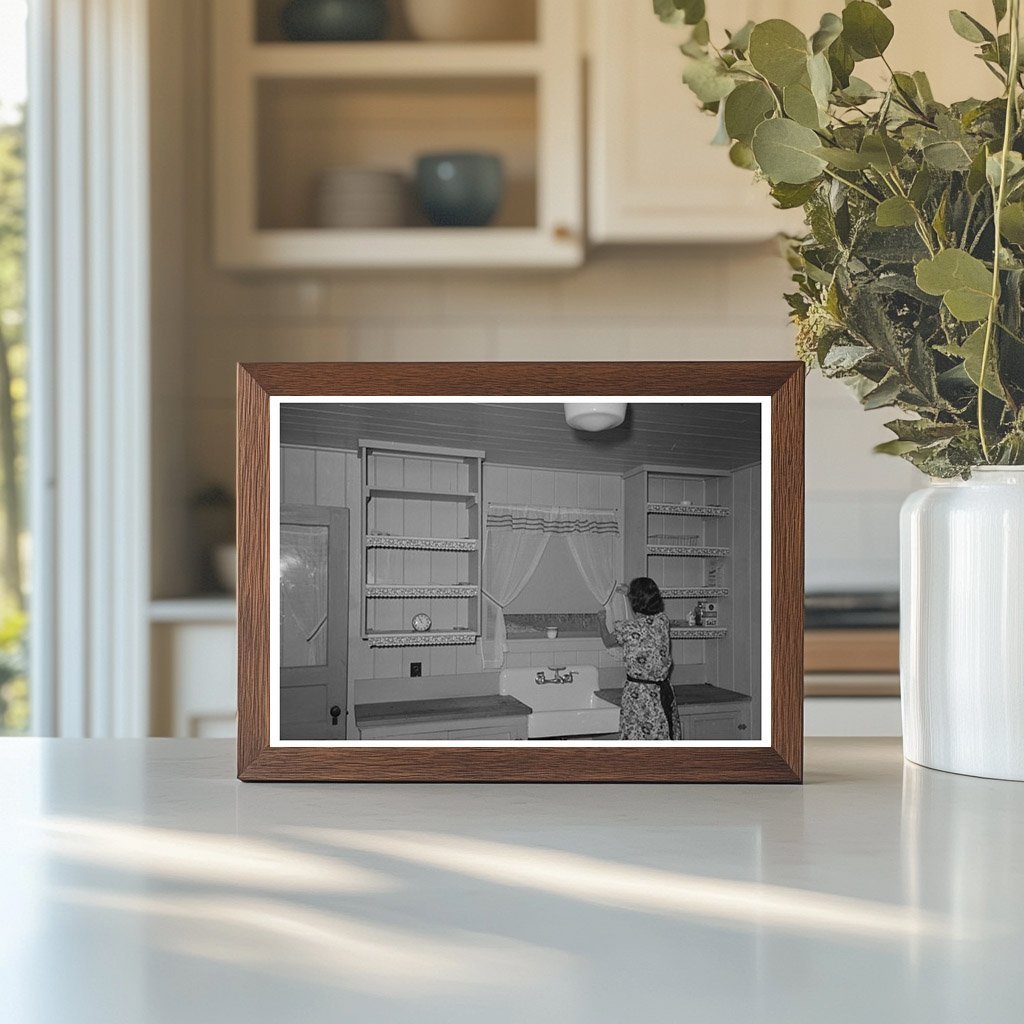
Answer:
(334, 21)
(460, 190)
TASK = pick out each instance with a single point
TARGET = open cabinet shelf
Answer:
(679, 533)
(700, 511)
(286, 114)
(432, 638)
(420, 555)
(697, 633)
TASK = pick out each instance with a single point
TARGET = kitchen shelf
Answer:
(286, 113)
(701, 511)
(403, 494)
(385, 591)
(689, 563)
(405, 59)
(430, 638)
(463, 544)
(697, 633)
(406, 572)
(679, 551)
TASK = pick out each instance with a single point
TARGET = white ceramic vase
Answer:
(962, 624)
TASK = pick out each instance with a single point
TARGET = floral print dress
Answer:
(649, 709)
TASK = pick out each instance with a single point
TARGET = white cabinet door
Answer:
(715, 725)
(654, 175)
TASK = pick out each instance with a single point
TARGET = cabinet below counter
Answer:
(705, 712)
(494, 717)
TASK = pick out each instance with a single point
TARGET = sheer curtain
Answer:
(515, 541)
(303, 596)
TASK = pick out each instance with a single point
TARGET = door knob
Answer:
(742, 728)
(335, 713)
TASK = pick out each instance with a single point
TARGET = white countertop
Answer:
(142, 884)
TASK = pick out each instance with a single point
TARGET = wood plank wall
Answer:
(327, 477)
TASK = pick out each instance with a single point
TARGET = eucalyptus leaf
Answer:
(963, 281)
(895, 213)
(895, 447)
(739, 41)
(924, 87)
(745, 108)
(883, 153)
(969, 28)
(675, 12)
(741, 155)
(947, 156)
(800, 105)
(844, 159)
(788, 196)
(1012, 226)
(866, 29)
(972, 353)
(708, 81)
(829, 30)
(994, 169)
(779, 51)
(819, 74)
(976, 178)
(786, 152)
(842, 61)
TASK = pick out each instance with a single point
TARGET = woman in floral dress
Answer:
(649, 709)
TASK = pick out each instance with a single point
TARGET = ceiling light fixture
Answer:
(594, 416)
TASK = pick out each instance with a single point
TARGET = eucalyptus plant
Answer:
(910, 278)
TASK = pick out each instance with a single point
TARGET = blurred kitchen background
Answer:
(288, 215)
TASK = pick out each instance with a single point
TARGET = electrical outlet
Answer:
(416, 669)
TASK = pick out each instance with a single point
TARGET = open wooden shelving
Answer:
(285, 113)
(679, 532)
(421, 530)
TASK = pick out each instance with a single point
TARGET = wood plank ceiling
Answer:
(713, 435)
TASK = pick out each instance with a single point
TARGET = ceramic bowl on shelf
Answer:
(334, 21)
(460, 189)
(465, 21)
(361, 198)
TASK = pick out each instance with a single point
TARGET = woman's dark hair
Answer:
(645, 597)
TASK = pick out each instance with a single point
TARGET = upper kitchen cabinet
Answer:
(316, 143)
(654, 175)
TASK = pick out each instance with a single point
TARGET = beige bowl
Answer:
(471, 20)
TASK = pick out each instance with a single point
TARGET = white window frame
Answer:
(89, 331)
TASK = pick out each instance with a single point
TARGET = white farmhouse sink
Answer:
(561, 709)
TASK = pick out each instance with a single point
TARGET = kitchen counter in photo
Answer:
(444, 709)
(686, 695)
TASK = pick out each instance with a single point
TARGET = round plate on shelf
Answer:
(421, 622)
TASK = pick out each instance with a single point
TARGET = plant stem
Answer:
(856, 188)
(1000, 199)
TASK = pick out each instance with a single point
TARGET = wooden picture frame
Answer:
(779, 760)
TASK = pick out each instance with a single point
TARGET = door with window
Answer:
(314, 569)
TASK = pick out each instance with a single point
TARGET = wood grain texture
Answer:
(782, 762)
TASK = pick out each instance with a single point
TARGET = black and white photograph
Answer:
(503, 571)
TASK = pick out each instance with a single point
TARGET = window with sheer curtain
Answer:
(516, 540)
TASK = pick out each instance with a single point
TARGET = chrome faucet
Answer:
(562, 677)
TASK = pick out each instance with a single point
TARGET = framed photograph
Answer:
(520, 572)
